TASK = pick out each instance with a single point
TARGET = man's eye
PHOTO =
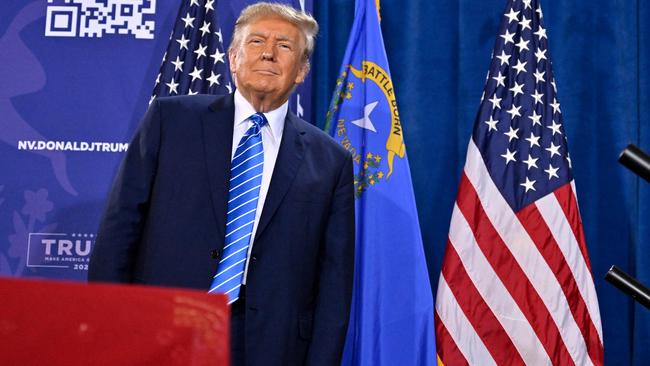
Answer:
(285, 46)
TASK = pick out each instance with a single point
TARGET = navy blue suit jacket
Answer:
(165, 222)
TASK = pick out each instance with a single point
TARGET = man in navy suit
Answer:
(170, 212)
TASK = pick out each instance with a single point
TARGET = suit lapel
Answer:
(290, 155)
(217, 141)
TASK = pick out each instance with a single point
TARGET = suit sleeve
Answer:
(120, 230)
(336, 275)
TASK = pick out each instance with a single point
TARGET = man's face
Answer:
(269, 60)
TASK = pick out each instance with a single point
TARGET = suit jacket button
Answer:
(254, 258)
(215, 253)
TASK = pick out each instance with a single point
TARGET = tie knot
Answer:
(258, 119)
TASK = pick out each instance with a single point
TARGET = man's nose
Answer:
(268, 53)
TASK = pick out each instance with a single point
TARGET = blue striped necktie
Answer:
(245, 181)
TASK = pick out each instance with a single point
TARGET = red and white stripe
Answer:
(515, 288)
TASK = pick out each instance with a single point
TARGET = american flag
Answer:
(196, 61)
(516, 284)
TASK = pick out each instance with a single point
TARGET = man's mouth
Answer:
(266, 72)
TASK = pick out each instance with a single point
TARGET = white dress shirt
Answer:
(271, 138)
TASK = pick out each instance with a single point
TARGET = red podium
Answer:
(55, 323)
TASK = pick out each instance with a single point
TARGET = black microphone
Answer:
(629, 285)
(636, 160)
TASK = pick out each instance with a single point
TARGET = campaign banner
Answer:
(76, 77)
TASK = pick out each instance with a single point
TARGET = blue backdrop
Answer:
(95, 89)
(439, 53)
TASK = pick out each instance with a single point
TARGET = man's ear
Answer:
(302, 74)
(232, 60)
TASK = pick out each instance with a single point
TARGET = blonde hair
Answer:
(304, 21)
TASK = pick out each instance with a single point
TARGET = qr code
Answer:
(95, 18)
